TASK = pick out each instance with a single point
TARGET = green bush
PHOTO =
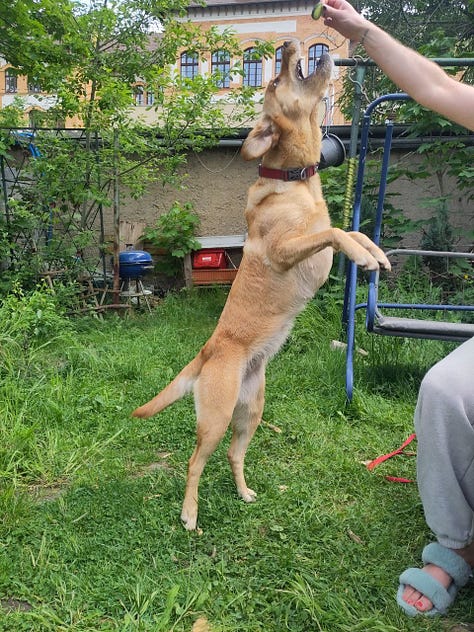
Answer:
(174, 232)
(31, 318)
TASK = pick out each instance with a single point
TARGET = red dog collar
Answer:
(288, 175)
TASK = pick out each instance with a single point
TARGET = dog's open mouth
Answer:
(321, 64)
(299, 70)
(292, 65)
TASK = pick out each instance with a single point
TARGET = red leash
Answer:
(380, 459)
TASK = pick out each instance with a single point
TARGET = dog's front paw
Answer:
(248, 495)
(367, 262)
(384, 262)
(380, 256)
(372, 257)
(373, 261)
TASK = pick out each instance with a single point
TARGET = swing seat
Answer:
(378, 321)
(418, 328)
(379, 318)
(407, 327)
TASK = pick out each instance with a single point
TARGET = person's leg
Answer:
(444, 424)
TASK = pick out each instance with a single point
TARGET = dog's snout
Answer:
(286, 44)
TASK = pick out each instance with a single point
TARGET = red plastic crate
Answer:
(210, 258)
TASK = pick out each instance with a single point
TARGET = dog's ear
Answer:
(261, 138)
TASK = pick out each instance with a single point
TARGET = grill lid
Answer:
(135, 257)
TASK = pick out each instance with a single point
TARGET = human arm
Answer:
(421, 78)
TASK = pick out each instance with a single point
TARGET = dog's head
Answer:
(290, 110)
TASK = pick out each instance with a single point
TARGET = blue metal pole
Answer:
(349, 306)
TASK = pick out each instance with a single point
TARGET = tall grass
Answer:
(90, 537)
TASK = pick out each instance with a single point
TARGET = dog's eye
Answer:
(276, 82)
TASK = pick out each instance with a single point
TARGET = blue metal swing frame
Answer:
(376, 322)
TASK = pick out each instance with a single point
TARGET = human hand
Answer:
(341, 16)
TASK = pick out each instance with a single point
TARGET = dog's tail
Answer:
(178, 388)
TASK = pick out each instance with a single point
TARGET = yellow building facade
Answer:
(252, 22)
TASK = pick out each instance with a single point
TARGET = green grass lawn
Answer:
(90, 498)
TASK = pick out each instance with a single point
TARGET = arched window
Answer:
(189, 67)
(220, 66)
(11, 80)
(314, 54)
(278, 54)
(252, 68)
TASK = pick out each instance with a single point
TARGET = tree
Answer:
(436, 29)
(93, 56)
(34, 37)
(415, 21)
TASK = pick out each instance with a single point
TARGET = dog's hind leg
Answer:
(215, 394)
(246, 418)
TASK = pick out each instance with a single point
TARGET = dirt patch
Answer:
(159, 464)
(46, 493)
(13, 605)
(459, 627)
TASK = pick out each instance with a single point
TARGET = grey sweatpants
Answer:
(444, 424)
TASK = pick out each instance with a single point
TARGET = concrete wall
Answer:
(217, 182)
(411, 196)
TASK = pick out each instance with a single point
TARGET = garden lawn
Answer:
(90, 498)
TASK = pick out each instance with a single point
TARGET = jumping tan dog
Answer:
(287, 257)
